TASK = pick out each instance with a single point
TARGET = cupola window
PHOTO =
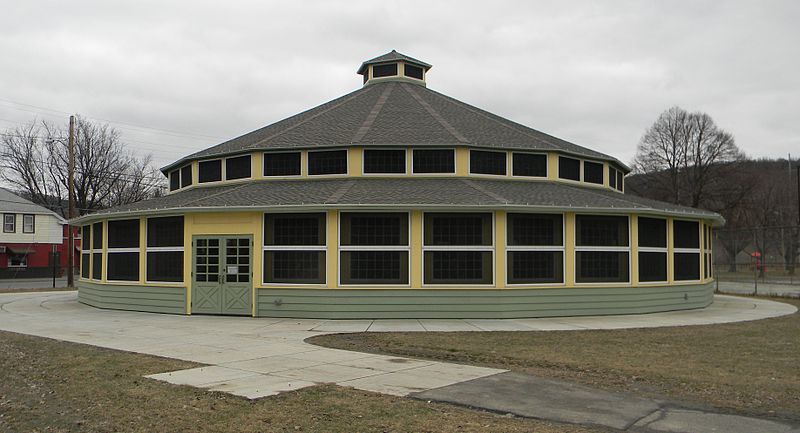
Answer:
(412, 71)
(282, 164)
(569, 168)
(434, 161)
(210, 171)
(186, 176)
(388, 70)
(593, 172)
(327, 162)
(237, 168)
(529, 164)
(384, 161)
(483, 162)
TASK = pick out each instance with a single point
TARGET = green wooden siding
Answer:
(507, 303)
(155, 299)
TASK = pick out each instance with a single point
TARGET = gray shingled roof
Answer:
(12, 203)
(392, 56)
(395, 114)
(416, 193)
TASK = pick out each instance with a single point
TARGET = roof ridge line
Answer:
(314, 116)
(435, 114)
(341, 191)
(237, 187)
(481, 189)
(373, 114)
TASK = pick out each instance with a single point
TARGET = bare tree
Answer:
(33, 160)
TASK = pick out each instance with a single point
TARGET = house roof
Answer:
(389, 57)
(417, 193)
(395, 114)
(12, 203)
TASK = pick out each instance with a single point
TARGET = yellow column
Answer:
(500, 249)
(569, 249)
(605, 175)
(195, 173)
(188, 222)
(304, 163)
(354, 157)
(462, 161)
(104, 260)
(142, 247)
(257, 166)
(634, 240)
(670, 253)
(416, 248)
(552, 165)
(332, 254)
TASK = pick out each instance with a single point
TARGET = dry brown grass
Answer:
(748, 367)
(53, 386)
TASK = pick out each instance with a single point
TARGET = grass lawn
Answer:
(749, 367)
(53, 386)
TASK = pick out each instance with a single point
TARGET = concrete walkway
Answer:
(265, 356)
(763, 289)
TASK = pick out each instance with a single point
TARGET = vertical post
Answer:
(71, 186)
(53, 260)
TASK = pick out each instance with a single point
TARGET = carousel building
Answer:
(396, 201)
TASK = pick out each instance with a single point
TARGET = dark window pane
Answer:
(434, 161)
(458, 267)
(412, 71)
(123, 267)
(652, 266)
(535, 229)
(458, 229)
(237, 168)
(97, 236)
(299, 267)
(569, 168)
(165, 232)
(186, 176)
(686, 234)
(123, 234)
(482, 162)
(620, 180)
(210, 171)
(86, 238)
(282, 164)
(534, 267)
(687, 266)
(166, 266)
(652, 232)
(602, 231)
(593, 172)
(384, 70)
(612, 178)
(327, 162)
(294, 229)
(174, 180)
(374, 229)
(374, 267)
(601, 267)
(85, 265)
(97, 266)
(527, 164)
(385, 161)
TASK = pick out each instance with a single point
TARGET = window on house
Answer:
(97, 251)
(174, 180)
(412, 71)
(652, 234)
(612, 177)
(237, 168)
(384, 161)
(282, 164)
(529, 164)
(485, 162)
(209, 171)
(602, 250)
(434, 161)
(686, 242)
(28, 223)
(294, 248)
(535, 248)
(164, 249)
(384, 70)
(9, 223)
(457, 248)
(17, 261)
(707, 255)
(620, 181)
(374, 248)
(123, 250)
(186, 176)
(593, 172)
(86, 247)
(569, 168)
(327, 162)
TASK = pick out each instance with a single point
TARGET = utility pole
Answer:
(71, 182)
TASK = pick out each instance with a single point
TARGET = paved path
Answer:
(764, 289)
(265, 356)
(32, 283)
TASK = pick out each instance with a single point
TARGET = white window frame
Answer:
(455, 161)
(93, 251)
(543, 248)
(546, 165)
(12, 221)
(264, 248)
(469, 163)
(86, 252)
(558, 169)
(110, 251)
(641, 249)
(286, 176)
(363, 162)
(609, 249)
(341, 248)
(25, 222)
(221, 171)
(698, 251)
(583, 172)
(480, 248)
(346, 163)
(23, 264)
(149, 249)
(225, 168)
(707, 252)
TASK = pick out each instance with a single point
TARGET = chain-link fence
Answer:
(762, 260)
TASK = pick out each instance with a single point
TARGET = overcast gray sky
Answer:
(594, 73)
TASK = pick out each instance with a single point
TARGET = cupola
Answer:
(394, 66)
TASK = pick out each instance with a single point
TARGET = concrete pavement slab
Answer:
(396, 325)
(202, 375)
(271, 364)
(259, 386)
(694, 421)
(328, 373)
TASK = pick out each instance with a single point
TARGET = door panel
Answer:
(222, 278)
